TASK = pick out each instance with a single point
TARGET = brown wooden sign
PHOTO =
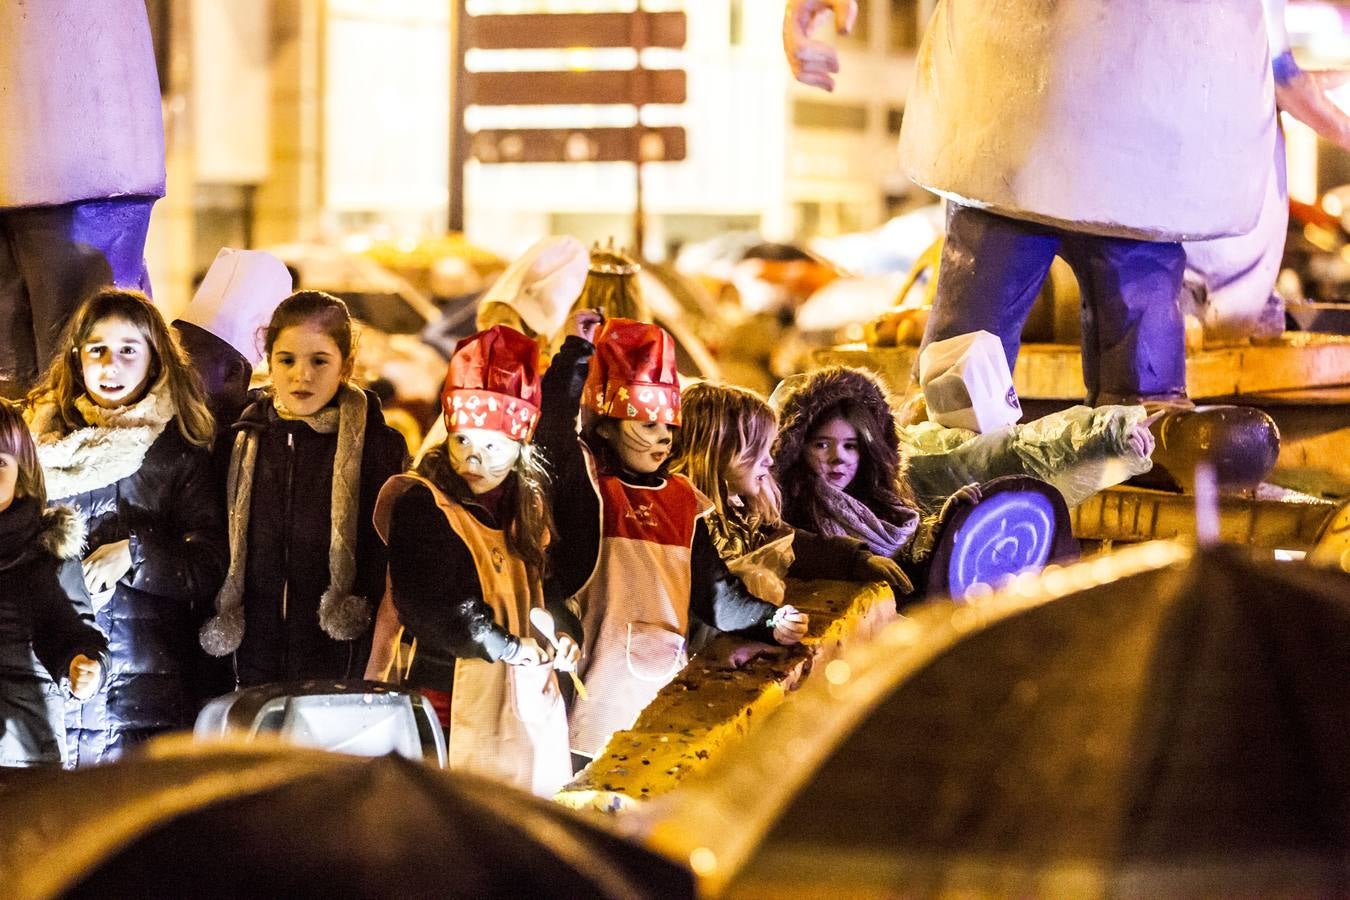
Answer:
(541, 145)
(556, 31)
(625, 86)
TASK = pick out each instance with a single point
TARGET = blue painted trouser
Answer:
(51, 259)
(1133, 334)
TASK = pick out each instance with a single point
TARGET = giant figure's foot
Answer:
(1240, 443)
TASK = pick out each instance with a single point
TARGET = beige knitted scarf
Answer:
(112, 446)
(342, 615)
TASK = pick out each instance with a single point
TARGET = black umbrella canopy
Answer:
(209, 820)
(1154, 724)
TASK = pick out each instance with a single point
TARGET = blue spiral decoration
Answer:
(1001, 536)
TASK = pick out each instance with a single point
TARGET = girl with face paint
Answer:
(469, 532)
(47, 647)
(635, 554)
(124, 435)
(309, 454)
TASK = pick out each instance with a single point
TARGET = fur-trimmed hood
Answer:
(27, 532)
(802, 401)
(803, 404)
(63, 531)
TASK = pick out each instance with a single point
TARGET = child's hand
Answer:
(584, 323)
(85, 674)
(889, 571)
(968, 495)
(568, 654)
(106, 565)
(789, 625)
(527, 653)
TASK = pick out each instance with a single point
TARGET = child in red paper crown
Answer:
(469, 530)
(635, 555)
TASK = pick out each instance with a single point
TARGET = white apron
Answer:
(635, 606)
(1151, 119)
(506, 722)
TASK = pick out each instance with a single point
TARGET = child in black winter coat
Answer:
(310, 454)
(44, 640)
(124, 435)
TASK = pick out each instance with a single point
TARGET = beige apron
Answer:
(506, 722)
(635, 606)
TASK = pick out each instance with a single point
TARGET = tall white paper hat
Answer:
(237, 297)
(542, 284)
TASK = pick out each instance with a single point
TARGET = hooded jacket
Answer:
(289, 529)
(803, 408)
(41, 629)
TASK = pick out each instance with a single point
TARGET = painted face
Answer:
(746, 476)
(9, 479)
(832, 452)
(307, 368)
(115, 361)
(481, 457)
(642, 446)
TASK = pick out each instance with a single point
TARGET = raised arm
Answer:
(1303, 94)
(812, 61)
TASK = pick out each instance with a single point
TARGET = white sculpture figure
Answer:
(81, 165)
(1107, 133)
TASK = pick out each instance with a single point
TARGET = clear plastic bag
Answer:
(1080, 450)
(764, 570)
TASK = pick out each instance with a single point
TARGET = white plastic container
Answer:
(966, 383)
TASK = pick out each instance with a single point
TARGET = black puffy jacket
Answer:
(170, 510)
(288, 536)
(41, 631)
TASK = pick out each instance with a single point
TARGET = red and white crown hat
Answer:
(632, 374)
(493, 383)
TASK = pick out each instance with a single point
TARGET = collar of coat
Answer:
(110, 448)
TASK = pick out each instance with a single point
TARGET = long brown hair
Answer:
(526, 501)
(17, 441)
(63, 381)
(723, 426)
(888, 497)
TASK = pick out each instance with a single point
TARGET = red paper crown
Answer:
(493, 383)
(632, 375)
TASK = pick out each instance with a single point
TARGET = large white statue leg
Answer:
(1231, 281)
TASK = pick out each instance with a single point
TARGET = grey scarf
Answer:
(847, 516)
(342, 615)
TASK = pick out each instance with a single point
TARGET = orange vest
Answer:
(506, 722)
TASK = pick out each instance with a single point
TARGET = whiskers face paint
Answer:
(481, 457)
(642, 446)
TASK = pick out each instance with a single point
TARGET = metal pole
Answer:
(459, 138)
(640, 75)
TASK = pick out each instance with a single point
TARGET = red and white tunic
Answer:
(506, 722)
(635, 606)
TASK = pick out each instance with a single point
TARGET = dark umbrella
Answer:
(1152, 724)
(211, 820)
